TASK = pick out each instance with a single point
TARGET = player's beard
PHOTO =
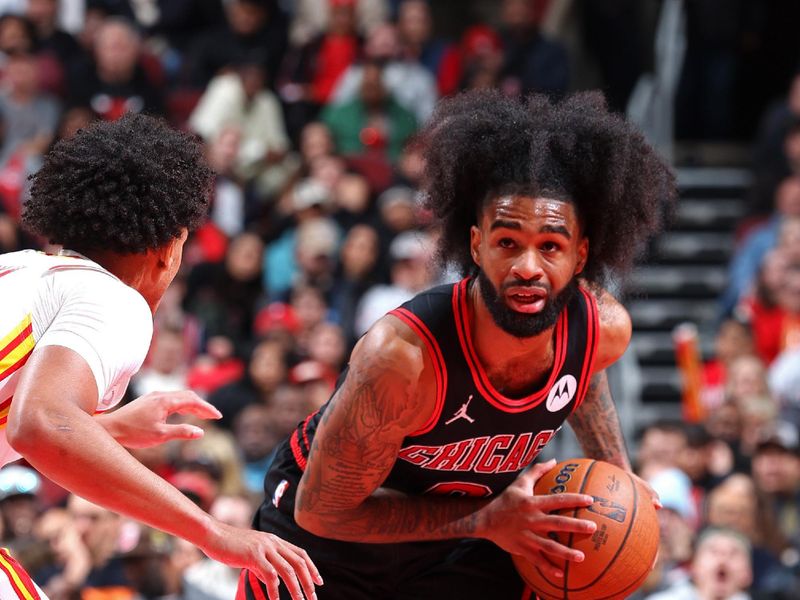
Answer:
(524, 325)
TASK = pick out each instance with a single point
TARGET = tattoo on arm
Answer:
(596, 424)
(354, 450)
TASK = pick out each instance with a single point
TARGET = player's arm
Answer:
(595, 422)
(50, 423)
(383, 400)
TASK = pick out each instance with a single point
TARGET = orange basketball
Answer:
(621, 551)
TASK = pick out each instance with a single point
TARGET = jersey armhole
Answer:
(437, 360)
(592, 341)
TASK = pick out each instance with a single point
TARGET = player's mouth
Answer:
(529, 300)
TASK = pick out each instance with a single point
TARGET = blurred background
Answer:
(308, 111)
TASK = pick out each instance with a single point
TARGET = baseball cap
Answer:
(308, 193)
(16, 480)
(397, 194)
(409, 245)
(780, 434)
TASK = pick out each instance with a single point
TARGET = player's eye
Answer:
(506, 243)
(550, 247)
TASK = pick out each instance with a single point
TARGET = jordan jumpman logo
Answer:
(461, 413)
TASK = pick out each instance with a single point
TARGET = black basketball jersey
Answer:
(478, 440)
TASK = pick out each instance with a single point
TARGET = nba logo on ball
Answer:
(620, 553)
(562, 392)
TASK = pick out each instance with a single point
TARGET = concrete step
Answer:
(657, 348)
(719, 214)
(670, 281)
(681, 247)
(664, 314)
(660, 384)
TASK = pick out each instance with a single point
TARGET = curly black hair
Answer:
(481, 145)
(125, 186)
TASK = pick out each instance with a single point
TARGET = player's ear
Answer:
(583, 254)
(475, 244)
(169, 255)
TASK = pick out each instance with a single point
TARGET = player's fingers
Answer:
(301, 571)
(548, 566)
(550, 502)
(312, 568)
(566, 524)
(556, 550)
(182, 432)
(269, 577)
(287, 573)
(189, 403)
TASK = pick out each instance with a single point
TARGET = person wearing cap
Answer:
(120, 198)
(776, 472)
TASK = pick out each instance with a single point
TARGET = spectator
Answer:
(310, 72)
(660, 447)
(406, 80)
(116, 83)
(256, 29)
(415, 28)
(70, 562)
(533, 62)
(266, 370)
(759, 241)
(256, 434)
(411, 272)
(481, 58)
(374, 122)
(776, 472)
(240, 98)
(51, 38)
(734, 339)
(223, 296)
(166, 369)
(721, 569)
(357, 272)
(311, 17)
(19, 504)
(30, 117)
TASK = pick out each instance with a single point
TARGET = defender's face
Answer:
(530, 250)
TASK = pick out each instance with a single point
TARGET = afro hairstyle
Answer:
(126, 186)
(482, 145)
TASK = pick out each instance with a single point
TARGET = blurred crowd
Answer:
(308, 111)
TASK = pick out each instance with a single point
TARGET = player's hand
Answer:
(519, 522)
(142, 423)
(649, 489)
(269, 557)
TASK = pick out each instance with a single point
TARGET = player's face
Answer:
(529, 251)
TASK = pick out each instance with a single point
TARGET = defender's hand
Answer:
(267, 556)
(142, 423)
(519, 521)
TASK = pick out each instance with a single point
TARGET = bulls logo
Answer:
(562, 392)
(609, 509)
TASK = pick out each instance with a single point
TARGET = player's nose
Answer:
(527, 266)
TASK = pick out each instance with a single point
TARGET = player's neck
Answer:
(134, 270)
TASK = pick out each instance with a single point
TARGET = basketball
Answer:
(621, 551)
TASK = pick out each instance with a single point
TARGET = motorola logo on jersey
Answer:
(562, 393)
(504, 453)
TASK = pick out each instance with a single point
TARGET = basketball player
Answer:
(410, 483)
(74, 327)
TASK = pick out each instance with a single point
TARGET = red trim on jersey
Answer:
(479, 376)
(527, 594)
(294, 442)
(305, 430)
(255, 586)
(6, 403)
(3, 421)
(592, 342)
(7, 271)
(11, 568)
(439, 368)
(15, 343)
(17, 365)
(241, 592)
